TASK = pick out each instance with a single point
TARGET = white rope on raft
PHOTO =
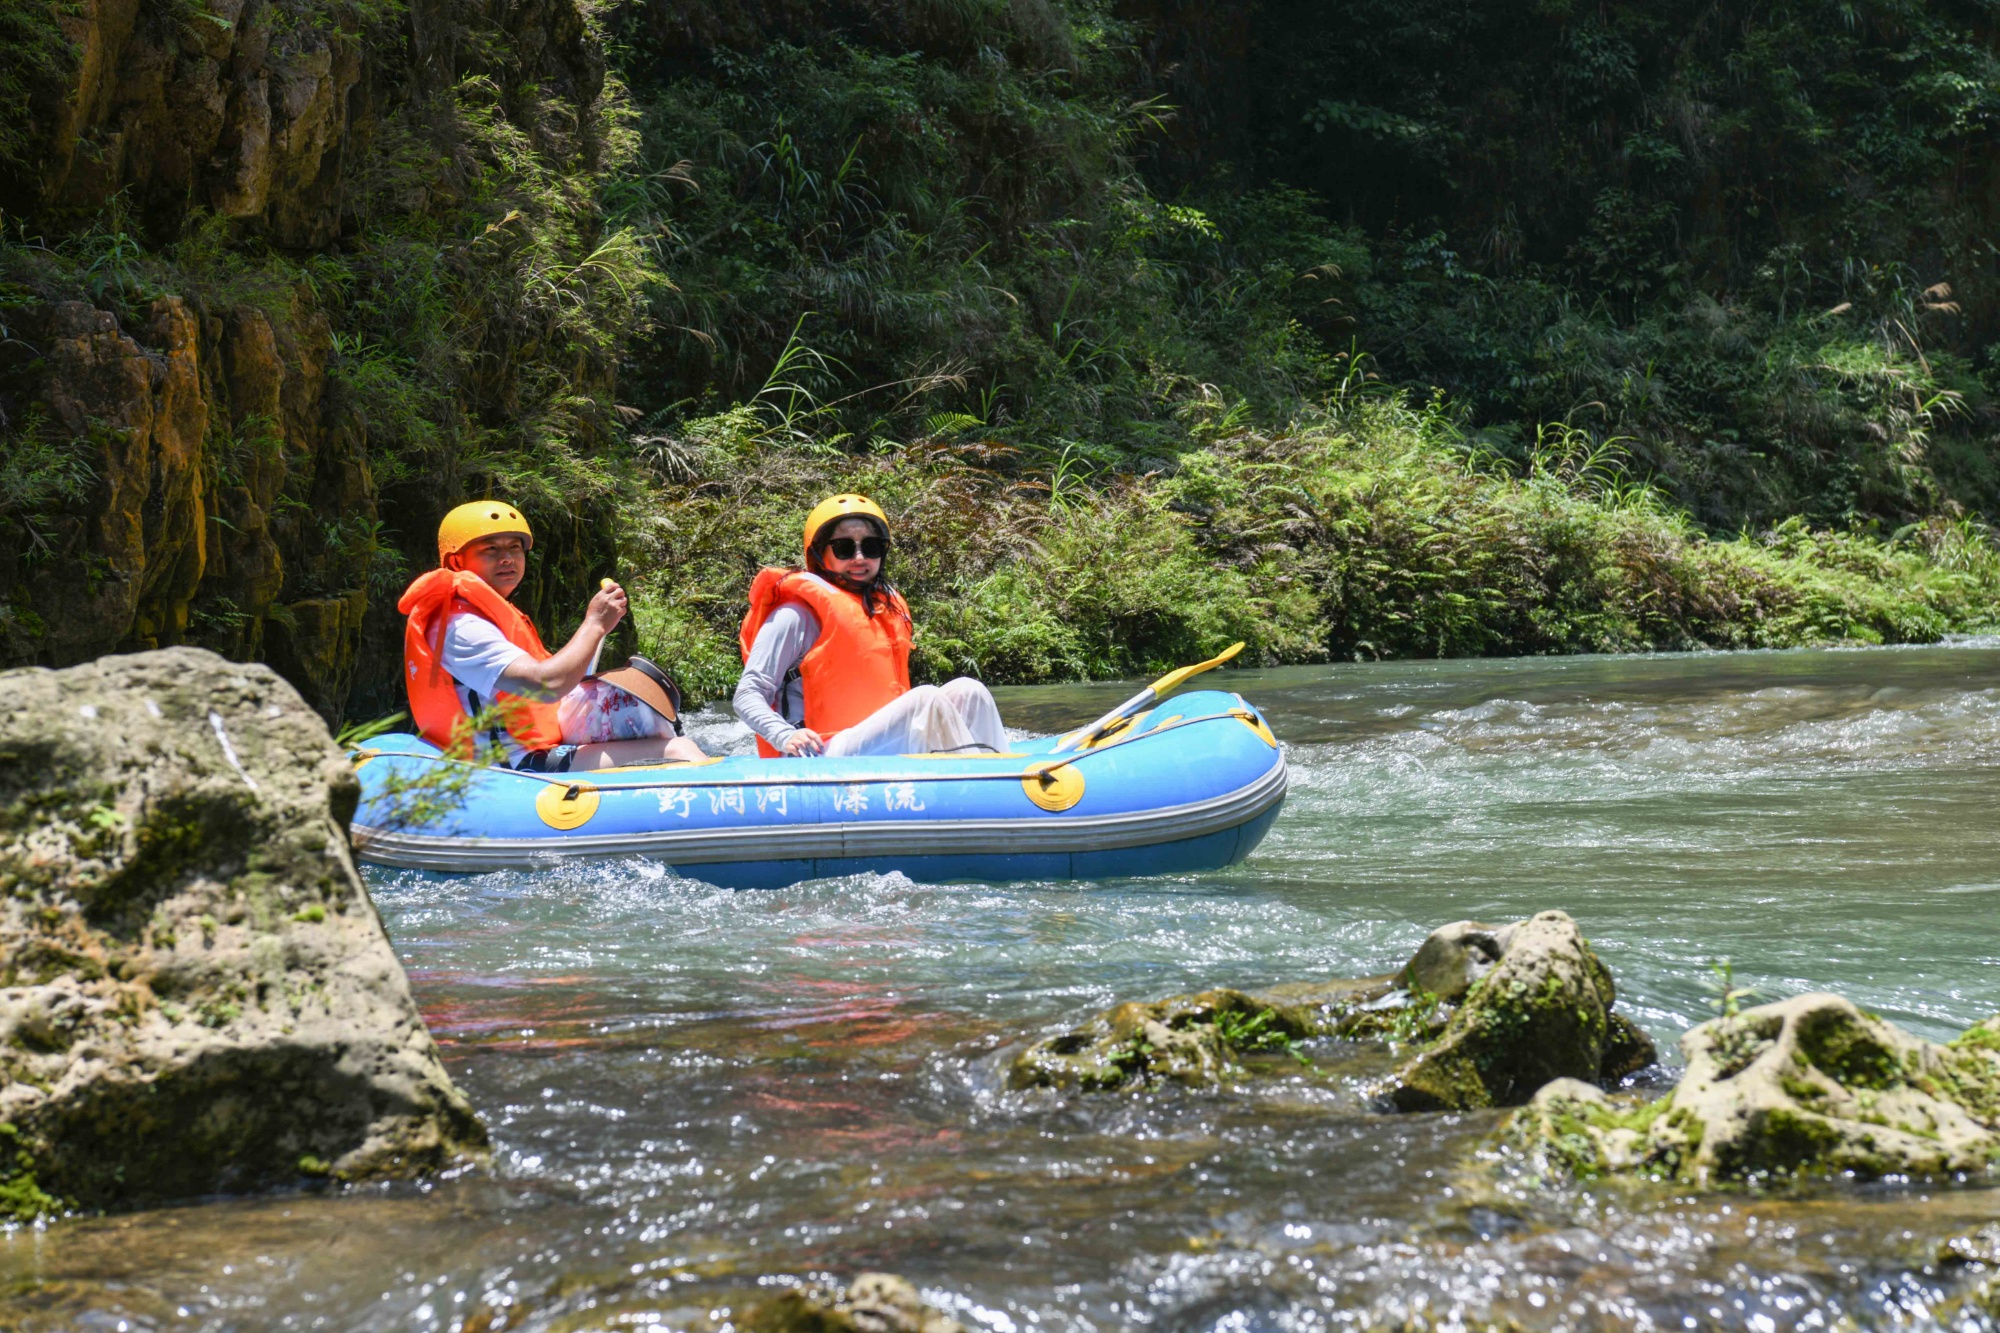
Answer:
(1044, 774)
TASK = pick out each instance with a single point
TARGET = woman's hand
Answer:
(804, 741)
(607, 608)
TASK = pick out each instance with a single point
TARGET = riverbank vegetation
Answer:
(1156, 326)
(1361, 528)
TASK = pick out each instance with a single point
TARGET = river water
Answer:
(697, 1095)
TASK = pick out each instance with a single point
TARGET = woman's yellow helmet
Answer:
(480, 518)
(835, 508)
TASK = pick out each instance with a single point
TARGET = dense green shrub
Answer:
(1750, 238)
(1359, 530)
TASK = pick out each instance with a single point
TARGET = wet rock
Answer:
(1489, 1014)
(1534, 1005)
(873, 1303)
(1973, 1256)
(1454, 958)
(1981, 1245)
(196, 994)
(1806, 1086)
(1189, 1039)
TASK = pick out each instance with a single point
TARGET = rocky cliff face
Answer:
(192, 425)
(261, 110)
(229, 497)
(196, 994)
(241, 105)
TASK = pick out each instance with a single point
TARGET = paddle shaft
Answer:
(599, 651)
(1166, 684)
(1141, 700)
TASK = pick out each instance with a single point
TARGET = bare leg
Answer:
(650, 750)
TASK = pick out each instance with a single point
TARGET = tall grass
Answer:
(1363, 528)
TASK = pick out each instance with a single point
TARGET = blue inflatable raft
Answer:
(1191, 784)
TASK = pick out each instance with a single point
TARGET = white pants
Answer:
(931, 719)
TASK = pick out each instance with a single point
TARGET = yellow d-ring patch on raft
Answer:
(1053, 784)
(567, 805)
(1123, 729)
(1256, 724)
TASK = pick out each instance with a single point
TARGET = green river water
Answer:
(696, 1095)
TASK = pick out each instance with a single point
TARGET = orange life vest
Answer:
(859, 662)
(430, 603)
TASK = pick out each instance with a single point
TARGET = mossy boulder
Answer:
(1487, 1015)
(1533, 1004)
(196, 994)
(872, 1303)
(1192, 1040)
(1807, 1086)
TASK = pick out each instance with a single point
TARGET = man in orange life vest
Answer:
(826, 654)
(467, 650)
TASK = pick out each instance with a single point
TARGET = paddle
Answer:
(598, 652)
(1145, 698)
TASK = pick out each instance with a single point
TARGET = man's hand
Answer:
(804, 741)
(607, 608)
(558, 675)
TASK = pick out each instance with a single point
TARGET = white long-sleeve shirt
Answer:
(769, 698)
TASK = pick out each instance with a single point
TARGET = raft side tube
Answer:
(1195, 789)
(911, 838)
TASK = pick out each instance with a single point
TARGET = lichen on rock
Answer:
(1806, 1086)
(1192, 1040)
(872, 1303)
(1488, 1014)
(196, 994)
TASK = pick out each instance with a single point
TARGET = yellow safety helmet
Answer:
(480, 518)
(835, 508)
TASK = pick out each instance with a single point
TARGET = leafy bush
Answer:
(1362, 529)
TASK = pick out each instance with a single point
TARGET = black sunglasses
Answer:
(868, 548)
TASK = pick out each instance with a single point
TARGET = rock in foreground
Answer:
(1810, 1085)
(873, 1303)
(1490, 1014)
(1531, 1003)
(196, 994)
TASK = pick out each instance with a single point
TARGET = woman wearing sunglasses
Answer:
(826, 654)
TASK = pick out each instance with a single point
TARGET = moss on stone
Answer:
(1848, 1052)
(1805, 1086)
(22, 1199)
(1533, 1005)
(1189, 1039)
(1980, 1037)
